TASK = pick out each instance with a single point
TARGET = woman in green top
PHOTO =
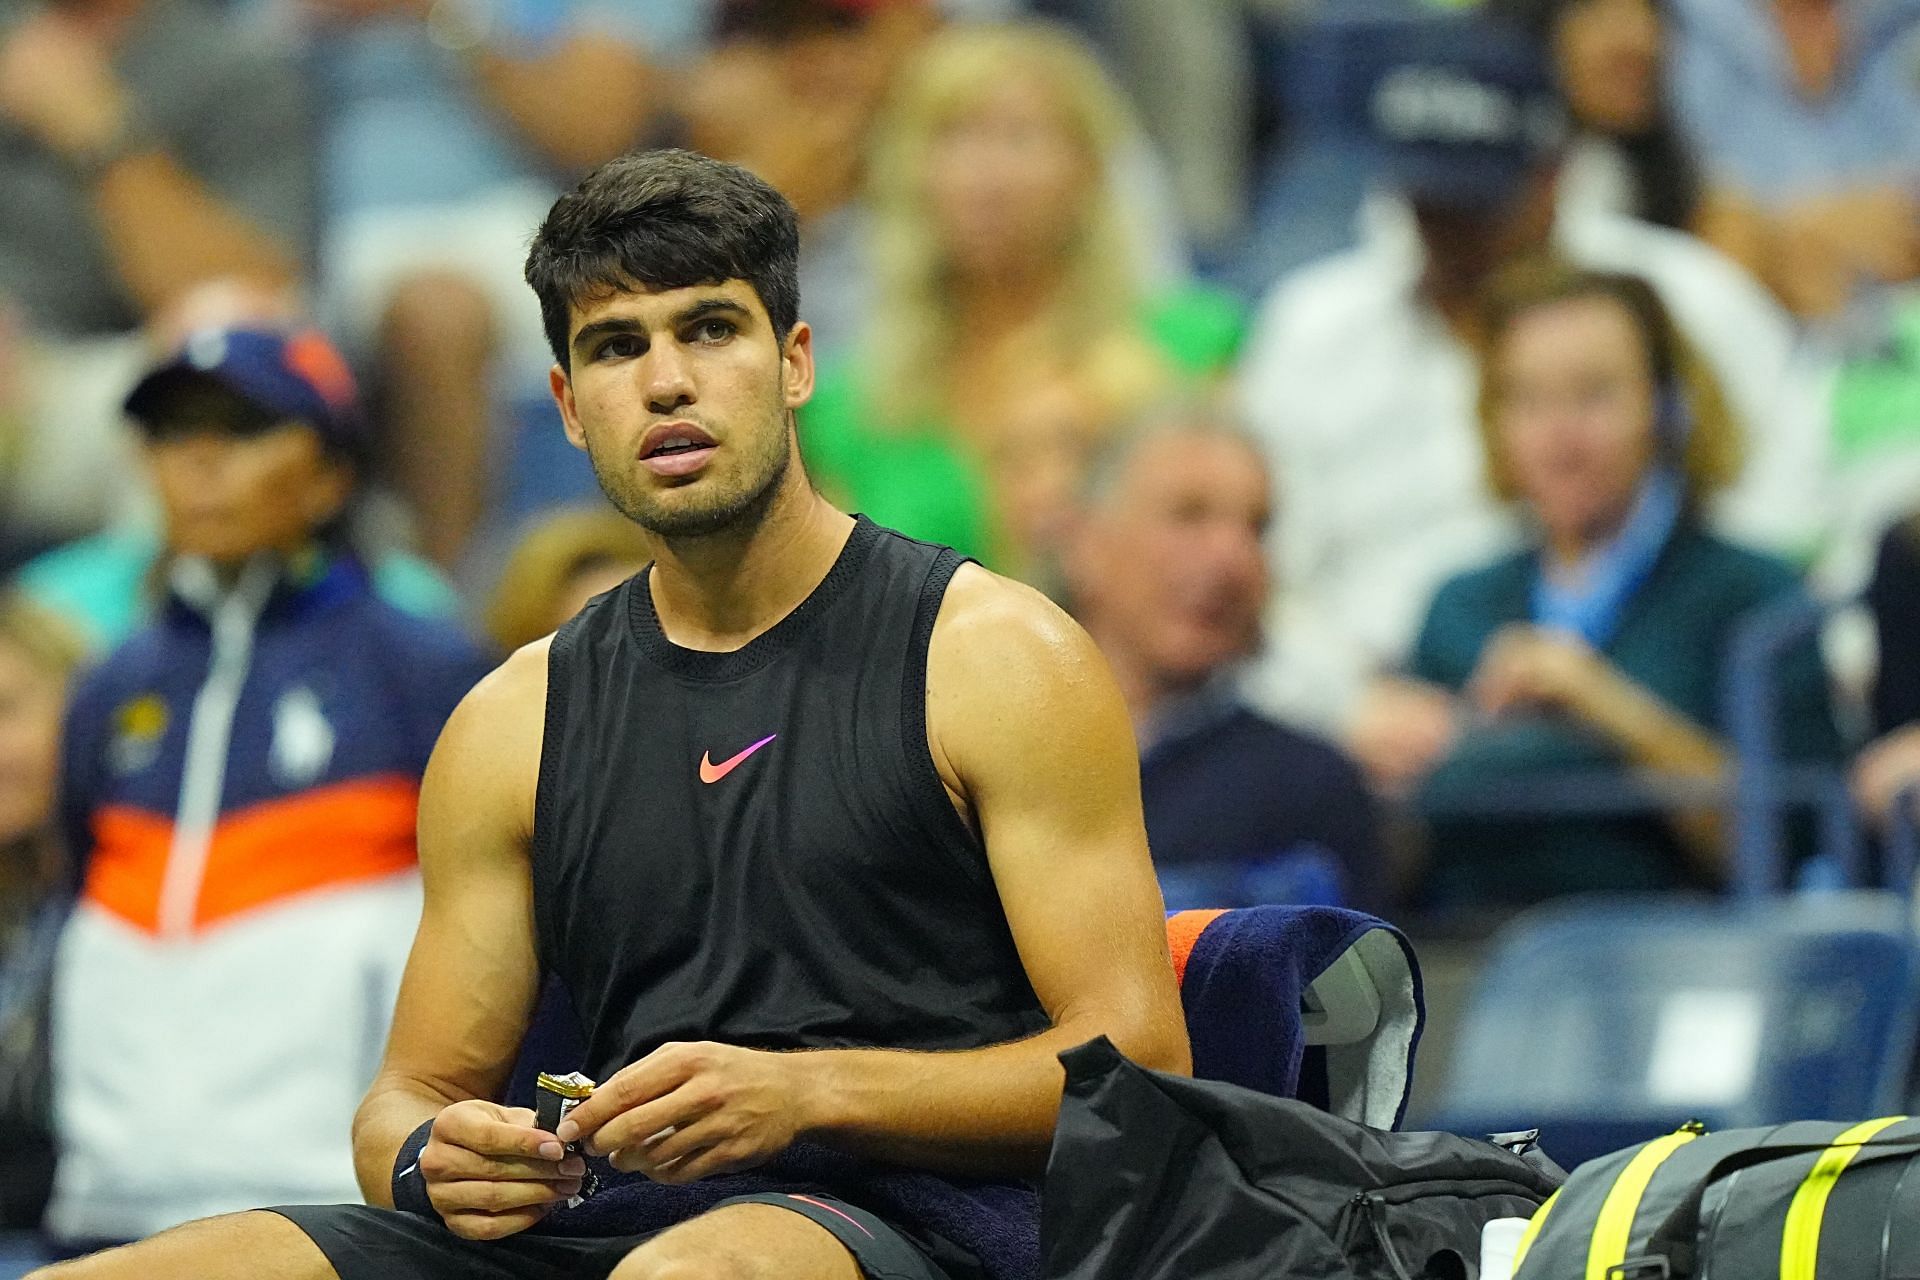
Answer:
(1010, 327)
(1605, 643)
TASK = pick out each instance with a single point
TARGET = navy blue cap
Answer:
(1458, 108)
(290, 374)
(1466, 113)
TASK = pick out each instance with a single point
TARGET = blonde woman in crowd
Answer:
(1011, 323)
(559, 564)
(38, 655)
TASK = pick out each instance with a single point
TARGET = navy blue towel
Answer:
(1242, 987)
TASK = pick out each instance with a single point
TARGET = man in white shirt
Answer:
(1360, 377)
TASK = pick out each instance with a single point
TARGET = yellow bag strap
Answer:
(1613, 1229)
(1800, 1242)
(1534, 1224)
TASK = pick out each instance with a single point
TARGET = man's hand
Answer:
(690, 1111)
(1531, 667)
(57, 84)
(490, 1173)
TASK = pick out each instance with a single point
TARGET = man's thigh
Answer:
(239, 1246)
(743, 1242)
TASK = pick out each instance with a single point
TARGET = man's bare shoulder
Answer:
(511, 691)
(987, 619)
(495, 734)
(1001, 650)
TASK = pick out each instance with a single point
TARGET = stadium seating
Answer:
(1609, 1021)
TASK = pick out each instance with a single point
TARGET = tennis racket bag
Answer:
(1158, 1177)
(1812, 1200)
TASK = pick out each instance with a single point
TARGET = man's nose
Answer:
(667, 378)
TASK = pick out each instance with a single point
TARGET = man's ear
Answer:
(562, 387)
(796, 366)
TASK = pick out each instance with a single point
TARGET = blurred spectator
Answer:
(1010, 324)
(822, 68)
(1891, 764)
(557, 566)
(1167, 572)
(1359, 372)
(38, 655)
(240, 780)
(1604, 643)
(1608, 58)
(1191, 70)
(145, 150)
(1803, 113)
(450, 127)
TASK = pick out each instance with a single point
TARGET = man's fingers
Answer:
(495, 1226)
(662, 1148)
(654, 1076)
(499, 1197)
(443, 1162)
(722, 1158)
(489, 1136)
(644, 1124)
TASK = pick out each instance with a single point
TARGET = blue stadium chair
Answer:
(1766, 788)
(1609, 1021)
(543, 470)
(1305, 875)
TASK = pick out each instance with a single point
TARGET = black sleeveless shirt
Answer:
(755, 847)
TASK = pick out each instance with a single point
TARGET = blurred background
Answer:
(1484, 439)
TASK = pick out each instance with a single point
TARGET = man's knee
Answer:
(438, 313)
(742, 1242)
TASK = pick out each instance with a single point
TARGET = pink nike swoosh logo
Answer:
(711, 772)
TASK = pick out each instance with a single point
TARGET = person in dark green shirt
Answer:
(1604, 643)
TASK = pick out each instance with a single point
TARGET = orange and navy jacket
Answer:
(239, 791)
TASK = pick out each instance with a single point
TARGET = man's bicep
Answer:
(472, 975)
(1036, 729)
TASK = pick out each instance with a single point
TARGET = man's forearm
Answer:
(978, 1111)
(167, 233)
(391, 1111)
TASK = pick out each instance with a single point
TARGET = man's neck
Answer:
(716, 593)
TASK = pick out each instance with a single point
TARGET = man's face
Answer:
(1465, 246)
(229, 496)
(1175, 569)
(683, 400)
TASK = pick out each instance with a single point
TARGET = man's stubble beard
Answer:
(744, 508)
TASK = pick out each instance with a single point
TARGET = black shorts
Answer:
(365, 1243)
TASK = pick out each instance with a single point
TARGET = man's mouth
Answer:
(674, 437)
(676, 449)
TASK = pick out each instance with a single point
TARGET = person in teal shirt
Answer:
(1012, 326)
(1604, 643)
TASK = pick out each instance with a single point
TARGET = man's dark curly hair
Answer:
(665, 220)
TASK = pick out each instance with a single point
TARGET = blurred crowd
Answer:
(1474, 433)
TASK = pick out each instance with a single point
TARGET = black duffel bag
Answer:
(1810, 1200)
(1158, 1177)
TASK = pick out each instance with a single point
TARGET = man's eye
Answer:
(713, 330)
(619, 347)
